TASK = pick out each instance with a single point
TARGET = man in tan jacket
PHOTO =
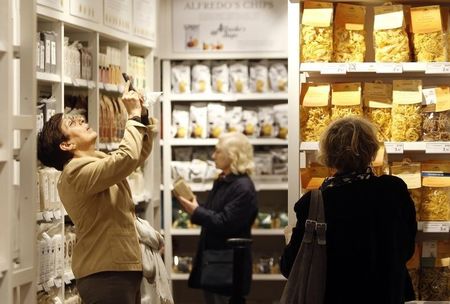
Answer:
(107, 261)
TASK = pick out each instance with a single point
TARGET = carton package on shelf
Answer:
(316, 43)
(137, 68)
(47, 50)
(109, 65)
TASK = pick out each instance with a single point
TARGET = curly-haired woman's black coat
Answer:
(371, 229)
(229, 212)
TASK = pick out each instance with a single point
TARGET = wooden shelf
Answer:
(213, 142)
(196, 232)
(255, 277)
(330, 68)
(228, 97)
(48, 77)
(397, 147)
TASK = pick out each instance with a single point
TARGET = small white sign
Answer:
(394, 147)
(334, 69)
(436, 227)
(389, 68)
(437, 68)
(362, 67)
(437, 148)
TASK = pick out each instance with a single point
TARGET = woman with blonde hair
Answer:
(371, 221)
(229, 211)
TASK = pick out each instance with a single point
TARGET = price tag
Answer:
(57, 214)
(437, 68)
(48, 215)
(436, 227)
(437, 148)
(334, 68)
(91, 84)
(362, 67)
(389, 68)
(394, 148)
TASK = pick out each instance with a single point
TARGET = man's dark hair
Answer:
(49, 139)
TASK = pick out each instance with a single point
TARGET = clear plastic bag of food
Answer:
(391, 45)
(436, 126)
(430, 47)
(382, 119)
(434, 283)
(349, 46)
(406, 122)
(435, 204)
(313, 121)
(338, 111)
(316, 44)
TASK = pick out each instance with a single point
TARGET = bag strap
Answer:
(316, 219)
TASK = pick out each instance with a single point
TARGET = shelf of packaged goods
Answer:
(331, 68)
(196, 232)
(213, 142)
(48, 77)
(255, 277)
(397, 147)
(228, 97)
(81, 83)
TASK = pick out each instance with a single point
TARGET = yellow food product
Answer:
(316, 44)
(197, 131)
(430, 47)
(349, 46)
(249, 129)
(182, 87)
(181, 132)
(239, 86)
(282, 133)
(382, 119)
(338, 111)
(313, 122)
(416, 196)
(391, 45)
(435, 204)
(406, 122)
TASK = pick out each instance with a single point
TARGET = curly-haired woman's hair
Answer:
(238, 148)
(348, 144)
(49, 139)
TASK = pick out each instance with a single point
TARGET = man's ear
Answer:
(66, 146)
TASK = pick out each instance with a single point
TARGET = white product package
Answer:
(181, 78)
(180, 121)
(198, 120)
(216, 119)
(220, 78)
(259, 77)
(278, 76)
(239, 77)
(201, 79)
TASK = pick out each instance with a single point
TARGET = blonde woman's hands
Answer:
(132, 101)
(187, 205)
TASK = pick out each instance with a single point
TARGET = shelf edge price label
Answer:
(437, 68)
(437, 148)
(363, 67)
(389, 68)
(394, 147)
(439, 227)
(334, 69)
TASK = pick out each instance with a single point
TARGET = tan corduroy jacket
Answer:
(97, 197)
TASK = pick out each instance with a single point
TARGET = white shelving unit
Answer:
(299, 73)
(94, 35)
(17, 151)
(170, 143)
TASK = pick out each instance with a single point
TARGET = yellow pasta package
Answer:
(436, 114)
(349, 34)
(406, 110)
(378, 105)
(346, 100)
(390, 37)
(316, 32)
(314, 111)
(429, 39)
(436, 192)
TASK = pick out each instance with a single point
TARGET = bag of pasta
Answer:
(436, 114)
(345, 100)
(435, 192)
(349, 34)
(428, 36)
(410, 173)
(315, 112)
(316, 43)
(434, 282)
(406, 110)
(378, 104)
(390, 38)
